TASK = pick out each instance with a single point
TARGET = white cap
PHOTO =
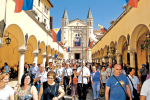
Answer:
(34, 62)
(50, 60)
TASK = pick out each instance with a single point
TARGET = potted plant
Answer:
(43, 24)
(33, 12)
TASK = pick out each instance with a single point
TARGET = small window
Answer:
(44, 20)
(64, 37)
(39, 3)
(38, 19)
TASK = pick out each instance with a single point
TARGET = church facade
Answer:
(72, 33)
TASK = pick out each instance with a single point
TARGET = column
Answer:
(118, 58)
(100, 61)
(110, 58)
(35, 54)
(53, 60)
(132, 58)
(44, 58)
(49, 58)
(21, 64)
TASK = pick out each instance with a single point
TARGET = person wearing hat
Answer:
(67, 72)
(33, 70)
(143, 73)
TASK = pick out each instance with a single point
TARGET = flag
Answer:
(103, 29)
(27, 5)
(133, 3)
(89, 42)
(23, 5)
(18, 6)
(77, 41)
(68, 49)
(55, 55)
(56, 34)
(86, 49)
(127, 1)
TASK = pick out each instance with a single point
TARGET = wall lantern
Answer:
(8, 40)
(39, 50)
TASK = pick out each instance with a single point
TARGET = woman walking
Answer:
(6, 92)
(96, 80)
(27, 91)
(50, 89)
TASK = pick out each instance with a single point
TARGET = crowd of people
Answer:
(51, 82)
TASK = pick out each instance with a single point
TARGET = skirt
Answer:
(74, 90)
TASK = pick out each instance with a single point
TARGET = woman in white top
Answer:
(6, 92)
(104, 76)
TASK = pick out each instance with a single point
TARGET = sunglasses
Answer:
(74, 69)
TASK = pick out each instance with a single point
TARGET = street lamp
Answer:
(8, 40)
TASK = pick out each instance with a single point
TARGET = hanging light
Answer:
(39, 50)
(8, 40)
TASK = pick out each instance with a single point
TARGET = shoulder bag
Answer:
(127, 98)
(134, 91)
(56, 92)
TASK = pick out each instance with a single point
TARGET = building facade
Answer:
(30, 35)
(122, 42)
(71, 33)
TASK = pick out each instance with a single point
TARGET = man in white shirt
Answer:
(135, 82)
(85, 73)
(67, 72)
(110, 70)
(145, 91)
(60, 71)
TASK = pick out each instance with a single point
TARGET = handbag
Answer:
(57, 79)
(68, 91)
(56, 92)
(136, 95)
(127, 98)
(68, 77)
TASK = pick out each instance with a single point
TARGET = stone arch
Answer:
(33, 42)
(137, 32)
(106, 50)
(121, 41)
(43, 51)
(101, 52)
(53, 52)
(49, 50)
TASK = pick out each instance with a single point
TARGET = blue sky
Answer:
(103, 11)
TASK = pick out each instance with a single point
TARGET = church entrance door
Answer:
(77, 55)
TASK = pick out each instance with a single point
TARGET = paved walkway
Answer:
(13, 84)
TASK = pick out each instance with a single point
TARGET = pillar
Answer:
(49, 58)
(110, 58)
(100, 61)
(118, 58)
(21, 64)
(132, 58)
(35, 54)
(53, 60)
(44, 58)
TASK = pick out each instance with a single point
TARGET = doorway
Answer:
(77, 55)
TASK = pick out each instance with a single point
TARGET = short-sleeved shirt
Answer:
(116, 92)
(86, 71)
(135, 82)
(33, 70)
(95, 76)
(43, 77)
(7, 69)
(109, 71)
(60, 71)
(143, 71)
(104, 76)
(145, 90)
(67, 71)
(6, 92)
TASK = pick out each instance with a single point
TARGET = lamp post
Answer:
(78, 35)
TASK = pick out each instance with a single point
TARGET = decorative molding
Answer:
(22, 51)
(35, 54)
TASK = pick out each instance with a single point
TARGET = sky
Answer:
(103, 11)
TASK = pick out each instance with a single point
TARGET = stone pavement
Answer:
(13, 83)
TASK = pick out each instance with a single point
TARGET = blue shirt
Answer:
(33, 70)
(7, 69)
(95, 76)
(116, 92)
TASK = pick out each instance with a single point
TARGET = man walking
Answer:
(33, 70)
(143, 73)
(112, 85)
(85, 75)
(110, 70)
